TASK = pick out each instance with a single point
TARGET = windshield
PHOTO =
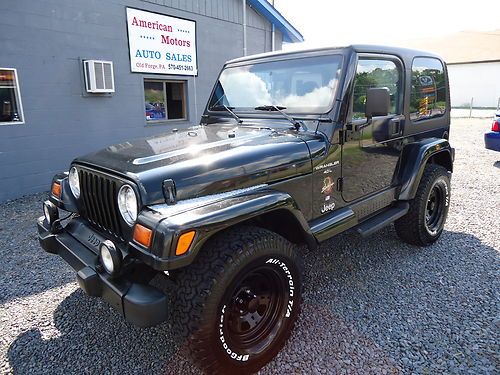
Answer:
(305, 85)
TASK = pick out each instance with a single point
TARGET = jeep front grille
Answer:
(98, 201)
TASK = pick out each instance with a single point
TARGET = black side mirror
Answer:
(378, 102)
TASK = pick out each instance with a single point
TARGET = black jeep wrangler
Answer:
(292, 149)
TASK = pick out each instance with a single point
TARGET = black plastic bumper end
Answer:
(140, 304)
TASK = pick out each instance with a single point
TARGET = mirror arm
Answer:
(357, 127)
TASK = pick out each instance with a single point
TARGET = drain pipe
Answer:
(244, 27)
(273, 36)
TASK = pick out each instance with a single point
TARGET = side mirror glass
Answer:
(378, 102)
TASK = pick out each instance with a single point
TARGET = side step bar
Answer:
(383, 219)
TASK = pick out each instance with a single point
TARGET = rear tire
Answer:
(239, 300)
(424, 222)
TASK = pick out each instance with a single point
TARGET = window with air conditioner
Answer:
(99, 77)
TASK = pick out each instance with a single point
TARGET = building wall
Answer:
(480, 81)
(45, 41)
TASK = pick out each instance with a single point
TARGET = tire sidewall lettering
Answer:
(232, 354)
(291, 285)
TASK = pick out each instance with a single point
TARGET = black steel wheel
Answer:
(237, 304)
(255, 308)
(434, 209)
(424, 222)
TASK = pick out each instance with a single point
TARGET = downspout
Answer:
(273, 47)
(244, 27)
(273, 36)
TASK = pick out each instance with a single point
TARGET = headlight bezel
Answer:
(73, 178)
(129, 211)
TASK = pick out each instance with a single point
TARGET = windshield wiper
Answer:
(279, 109)
(228, 109)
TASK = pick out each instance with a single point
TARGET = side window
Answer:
(164, 100)
(11, 110)
(428, 89)
(376, 73)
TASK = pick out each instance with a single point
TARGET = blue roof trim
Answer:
(290, 33)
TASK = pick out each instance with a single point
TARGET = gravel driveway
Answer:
(375, 306)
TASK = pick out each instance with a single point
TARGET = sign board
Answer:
(161, 44)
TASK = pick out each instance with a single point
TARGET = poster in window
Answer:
(161, 44)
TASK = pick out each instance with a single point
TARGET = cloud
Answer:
(320, 97)
(245, 89)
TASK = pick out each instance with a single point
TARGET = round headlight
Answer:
(74, 182)
(110, 257)
(127, 204)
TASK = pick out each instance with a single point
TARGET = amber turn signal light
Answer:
(56, 189)
(185, 241)
(143, 235)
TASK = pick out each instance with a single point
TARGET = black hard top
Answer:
(404, 53)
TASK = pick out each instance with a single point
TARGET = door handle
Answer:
(395, 126)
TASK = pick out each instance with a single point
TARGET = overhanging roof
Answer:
(290, 33)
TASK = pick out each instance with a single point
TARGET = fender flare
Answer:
(414, 158)
(214, 217)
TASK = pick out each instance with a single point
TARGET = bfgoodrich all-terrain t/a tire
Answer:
(424, 222)
(237, 303)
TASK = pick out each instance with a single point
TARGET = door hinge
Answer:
(340, 183)
(341, 136)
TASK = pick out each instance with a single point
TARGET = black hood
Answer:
(205, 159)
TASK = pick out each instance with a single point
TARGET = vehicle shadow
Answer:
(367, 305)
(94, 339)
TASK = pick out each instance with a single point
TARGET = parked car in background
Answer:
(154, 112)
(492, 138)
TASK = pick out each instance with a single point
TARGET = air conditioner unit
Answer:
(99, 76)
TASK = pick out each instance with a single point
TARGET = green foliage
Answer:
(376, 78)
(153, 96)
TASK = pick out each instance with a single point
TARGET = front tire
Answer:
(238, 302)
(424, 222)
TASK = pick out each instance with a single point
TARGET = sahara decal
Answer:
(328, 186)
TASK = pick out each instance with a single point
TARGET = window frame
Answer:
(17, 92)
(446, 87)
(184, 100)
(398, 62)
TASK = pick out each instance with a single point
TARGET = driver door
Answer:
(371, 150)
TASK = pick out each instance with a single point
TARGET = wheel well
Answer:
(442, 158)
(284, 223)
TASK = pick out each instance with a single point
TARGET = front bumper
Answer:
(140, 304)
